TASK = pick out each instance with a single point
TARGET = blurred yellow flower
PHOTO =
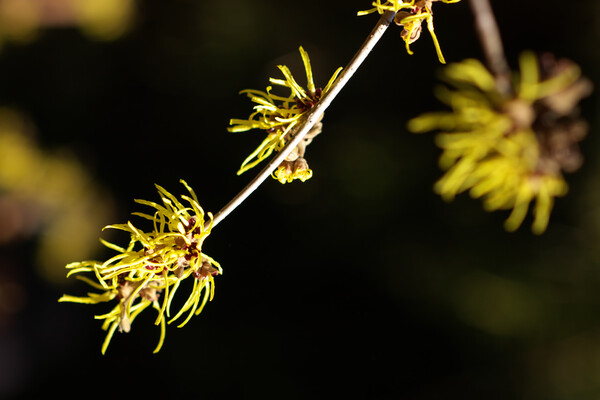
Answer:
(277, 115)
(20, 20)
(48, 197)
(411, 15)
(509, 150)
(103, 19)
(154, 262)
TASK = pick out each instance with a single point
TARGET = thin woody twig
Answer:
(491, 42)
(312, 117)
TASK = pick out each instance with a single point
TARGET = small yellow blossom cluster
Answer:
(509, 150)
(410, 16)
(153, 264)
(277, 115)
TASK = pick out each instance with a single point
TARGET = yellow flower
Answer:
(509, 150)
(154, 263)
(277, 115)
(410, 15)
(288, 171)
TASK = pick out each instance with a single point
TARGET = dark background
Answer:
(360, 282)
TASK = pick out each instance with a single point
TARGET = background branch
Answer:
(491, 42)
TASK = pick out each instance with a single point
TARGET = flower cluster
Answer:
(154, 263)
(410, 15)
(277, 115)
(510, 149)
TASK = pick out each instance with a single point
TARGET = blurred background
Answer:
(359, 282)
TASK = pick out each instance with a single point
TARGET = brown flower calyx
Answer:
(294, 166)
(521, 114)
(554, 117)
(125, 293)
(558, 125)
(150, 292)
(416, 32)
(300, 165)
(420, 6)
(205, 270)
(564, 102)
(298, 151)
(192, 242)
(311, 101)
(126, 288)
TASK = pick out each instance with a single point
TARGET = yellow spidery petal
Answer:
(310, 83)
(163, 332)
(109, 336)
(438, 49)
